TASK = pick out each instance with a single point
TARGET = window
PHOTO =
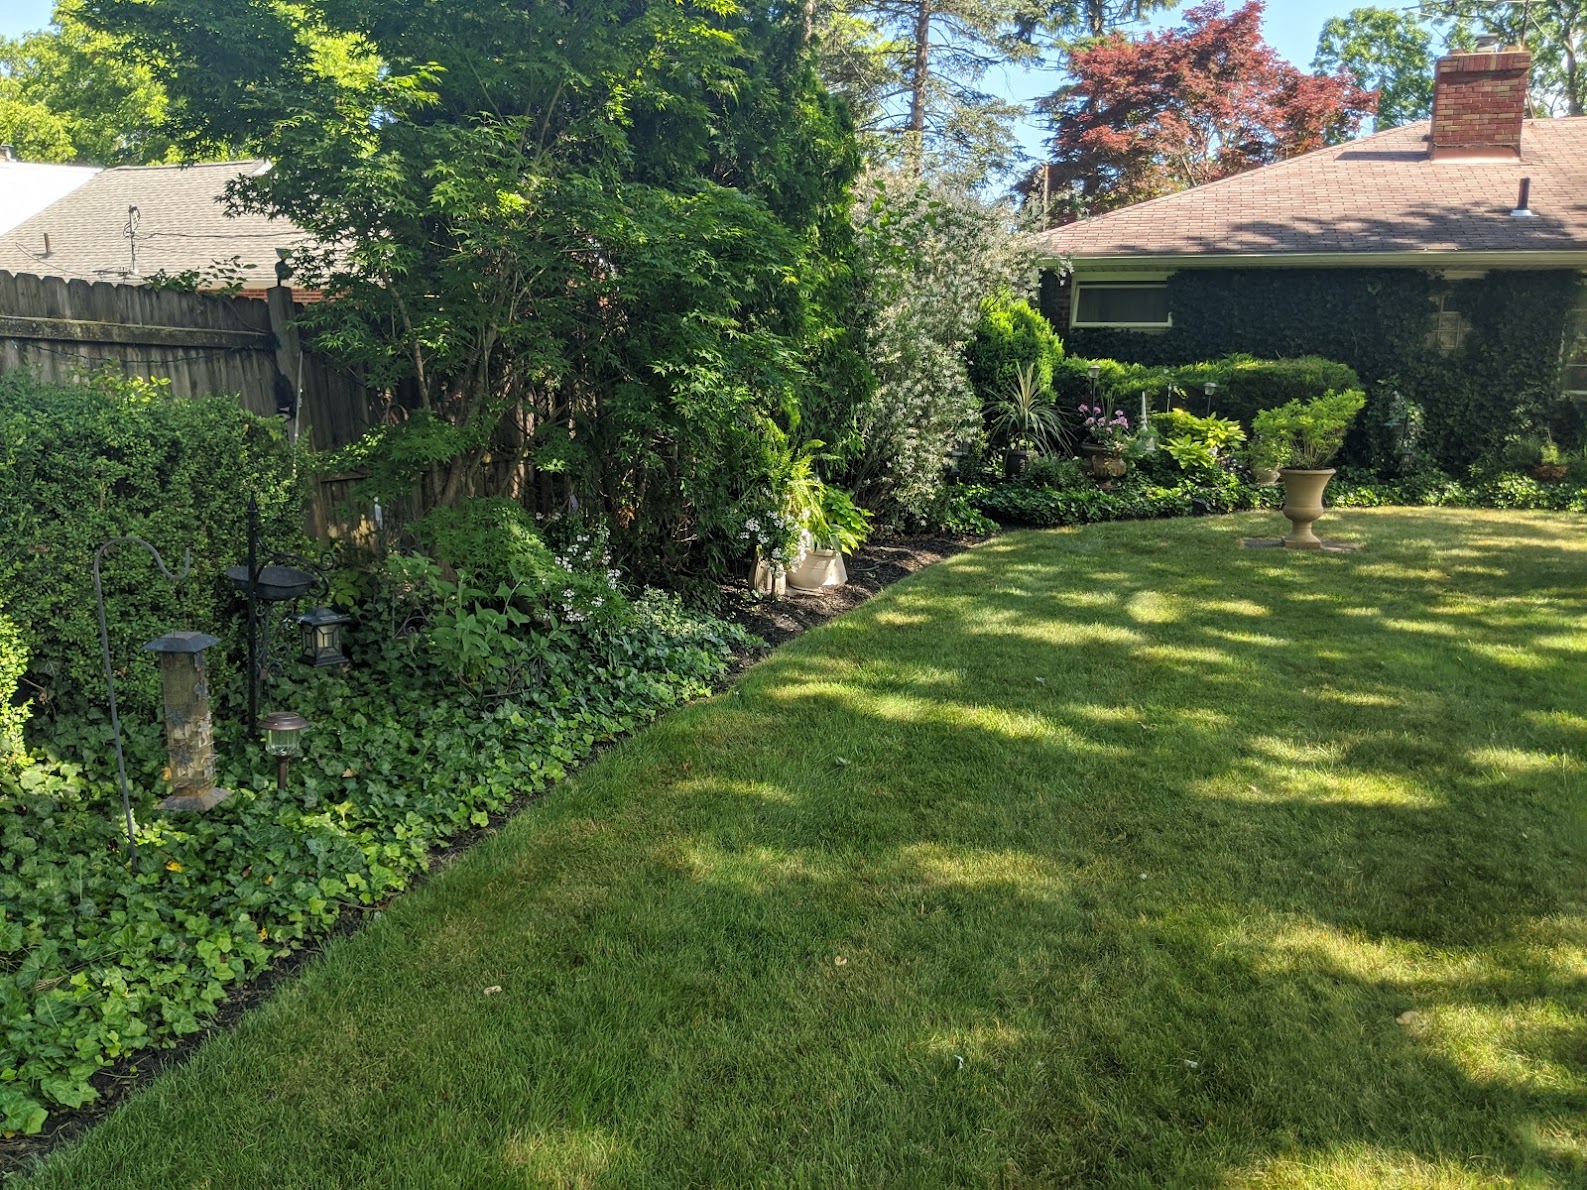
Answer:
(1576, 352)
(1139, 304)
(1449, 326)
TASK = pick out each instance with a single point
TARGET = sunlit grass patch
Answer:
(1116, 856)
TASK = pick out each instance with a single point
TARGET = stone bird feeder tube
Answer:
(189, 738)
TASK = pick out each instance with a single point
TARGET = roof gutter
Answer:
(1082, 263)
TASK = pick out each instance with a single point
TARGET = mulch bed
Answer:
(878, 565)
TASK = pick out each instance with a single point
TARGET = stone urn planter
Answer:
(770, 578)
(818, 570)
(1015, 462)
(1103, 463)
(1303, 491)
(1264, 476)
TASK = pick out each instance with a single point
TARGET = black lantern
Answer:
(322, 637)
(283, 733)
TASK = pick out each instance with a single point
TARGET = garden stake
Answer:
(110, 675)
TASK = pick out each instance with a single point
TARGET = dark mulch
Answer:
(878, 565)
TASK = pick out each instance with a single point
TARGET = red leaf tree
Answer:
(1186, 106)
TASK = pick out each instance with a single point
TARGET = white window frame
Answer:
(1578, 325)
(1116, 283)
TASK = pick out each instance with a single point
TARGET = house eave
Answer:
(1082, 262)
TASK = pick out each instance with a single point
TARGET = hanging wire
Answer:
(110, 675)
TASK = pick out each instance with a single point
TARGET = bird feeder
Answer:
(189, 739)
(283, 734)
(322, 637)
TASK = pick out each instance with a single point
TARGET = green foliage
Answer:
(493, 539)
(1048, 472)
(429, 735)
(1375, 322)
(118, 458)
(836, 522)
(1245, 384)
(69, 93)
(1309, 434)
(1010, 338)
(13, 706)
(1359, 488)
(1386, 50)
(1136, 497)
(1024, 417)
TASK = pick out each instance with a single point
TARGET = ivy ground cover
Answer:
(1102, 856)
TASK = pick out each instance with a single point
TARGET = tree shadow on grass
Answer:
(1080, 860)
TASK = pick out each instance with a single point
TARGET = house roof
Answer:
(182, 226)
(27, 187)
(1378, 196)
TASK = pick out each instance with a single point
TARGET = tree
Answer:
(1077, 19)
(1389, 51)
(69, 93)
(1188, 106)
(593, 251)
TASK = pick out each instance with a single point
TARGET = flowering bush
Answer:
(1108, 428)
(931, 255)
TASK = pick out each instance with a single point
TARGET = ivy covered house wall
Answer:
(1482, 356)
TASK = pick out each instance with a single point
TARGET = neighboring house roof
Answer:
(27, 187)
(1380, 196)
(182, 225)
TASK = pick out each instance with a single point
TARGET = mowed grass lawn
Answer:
(1107, 857)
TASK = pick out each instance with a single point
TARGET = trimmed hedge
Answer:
(1135, 498)
(1010, 335)
(122, 458)
(1246, 385)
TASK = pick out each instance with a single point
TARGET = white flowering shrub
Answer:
(931, 254)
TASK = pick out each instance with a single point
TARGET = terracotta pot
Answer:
(1547, 472)
(1303, 504)
(1103, 463)
(1015, 462)
(817, 570)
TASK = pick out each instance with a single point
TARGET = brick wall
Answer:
(1478, 105)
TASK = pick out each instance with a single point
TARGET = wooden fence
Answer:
(204, 344)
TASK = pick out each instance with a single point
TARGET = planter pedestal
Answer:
(1303, 504)
(1103, 463)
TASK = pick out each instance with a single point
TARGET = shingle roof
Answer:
(1379, 194)
(27, 187)
(182, 225)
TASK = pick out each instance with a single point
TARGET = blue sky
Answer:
(1292, 27)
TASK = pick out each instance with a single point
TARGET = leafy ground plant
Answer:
(426, 738)
(1115, 856)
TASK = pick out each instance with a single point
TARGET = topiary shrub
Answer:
(80, 464)
(1010, 337)
(1245, 385)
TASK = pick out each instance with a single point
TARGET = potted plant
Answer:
(1264, 458)
(834, 525)
(1024, 419)
(1108, 437)
(1307, 435)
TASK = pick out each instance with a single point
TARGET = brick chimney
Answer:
(1479, 100)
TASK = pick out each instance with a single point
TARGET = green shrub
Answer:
(1245, 385)
(1048, 472)
(494, 539)
(1009, 337)
(114, 457)
(1308, 434)
(13, 708)
(1135, 498)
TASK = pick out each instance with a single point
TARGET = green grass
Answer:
(1094, 857)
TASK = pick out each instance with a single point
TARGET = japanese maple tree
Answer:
(1148, 116)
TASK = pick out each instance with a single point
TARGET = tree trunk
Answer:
(807, 19)
(917, 86)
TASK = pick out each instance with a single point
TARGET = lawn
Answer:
(1116, 856)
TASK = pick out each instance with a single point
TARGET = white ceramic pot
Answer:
(817, 570)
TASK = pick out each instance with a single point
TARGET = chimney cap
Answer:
(1489, 43)
(7, 153)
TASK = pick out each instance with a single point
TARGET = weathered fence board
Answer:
(204, 344)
